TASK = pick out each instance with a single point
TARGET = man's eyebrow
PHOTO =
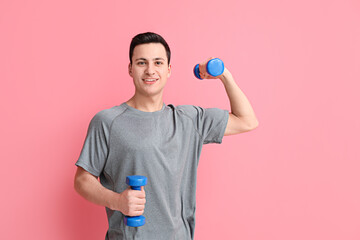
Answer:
(159, 58)
(144, 59)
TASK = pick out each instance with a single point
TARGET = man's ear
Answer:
(169, 73)
(129, 70)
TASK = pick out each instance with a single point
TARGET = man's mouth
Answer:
(150, 79)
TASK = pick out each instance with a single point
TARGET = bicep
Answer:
(238, 125)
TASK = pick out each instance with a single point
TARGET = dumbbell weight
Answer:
(135, 182)
(214, 67)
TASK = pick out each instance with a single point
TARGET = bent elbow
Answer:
(256, 124)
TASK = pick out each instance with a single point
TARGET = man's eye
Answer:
(159, 63)
(141, 63)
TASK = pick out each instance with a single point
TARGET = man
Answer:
(143, 136)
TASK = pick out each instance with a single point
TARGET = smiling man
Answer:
(150, 68)
(143, 136)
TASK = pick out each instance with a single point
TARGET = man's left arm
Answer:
(242, 117)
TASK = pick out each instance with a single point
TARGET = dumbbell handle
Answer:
(135, 182)
(136, 188)
(214, 67)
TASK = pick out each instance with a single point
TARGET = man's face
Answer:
(149, 68)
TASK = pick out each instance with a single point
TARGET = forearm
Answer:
(240, 105)
(92, 190)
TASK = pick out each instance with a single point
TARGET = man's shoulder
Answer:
(109, 114)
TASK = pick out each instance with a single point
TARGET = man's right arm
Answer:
(129, 202)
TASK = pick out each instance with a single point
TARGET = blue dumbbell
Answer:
(135, 182)
(214, 67)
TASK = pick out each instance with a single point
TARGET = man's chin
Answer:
(151, 93)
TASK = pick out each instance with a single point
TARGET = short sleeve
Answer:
(95, 149)
(212, 124)
(209, 122)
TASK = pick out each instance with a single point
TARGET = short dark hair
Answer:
(148, 37)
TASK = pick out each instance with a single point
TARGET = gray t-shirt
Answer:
(165, 147)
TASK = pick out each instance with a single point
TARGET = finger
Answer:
(139, 207)
(140, 212)
(139, 201)
(139, 194)
(136, 213)
(202, 68)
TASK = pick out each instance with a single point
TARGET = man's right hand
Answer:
(130, 202)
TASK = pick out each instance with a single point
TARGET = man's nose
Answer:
(150, 69)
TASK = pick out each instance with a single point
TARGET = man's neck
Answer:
(146, 104)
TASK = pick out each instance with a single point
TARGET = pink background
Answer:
(295, 177)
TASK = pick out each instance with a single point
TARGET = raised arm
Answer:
(242, 117)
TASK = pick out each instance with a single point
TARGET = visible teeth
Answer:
(150, 80)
